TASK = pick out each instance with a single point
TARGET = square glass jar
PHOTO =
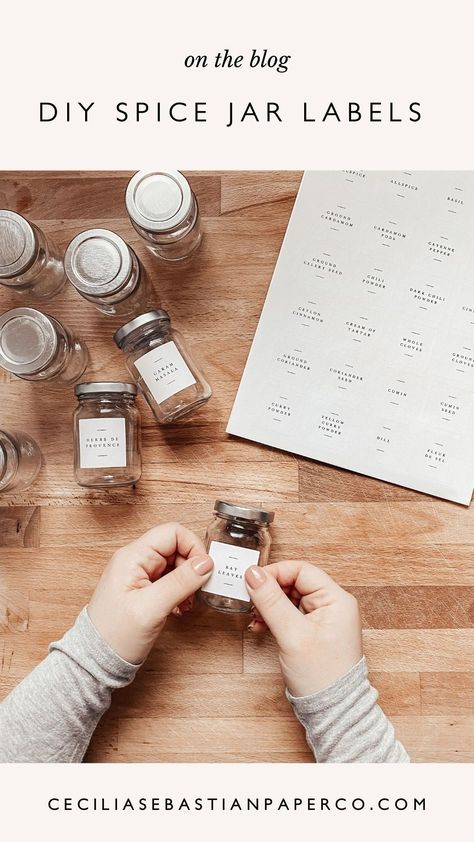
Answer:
(237, 538)
(106, 435)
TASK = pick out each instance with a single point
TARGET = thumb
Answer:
(178, 584)
(279, 613)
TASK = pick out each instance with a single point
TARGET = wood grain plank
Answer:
(424, 607)
(191, 653)
(243, 191)
(387, 650)
(431, 739)
(19, 526)
(447, 692)
(104, 198)
(208, 695)
(165, 739)
(326, 482)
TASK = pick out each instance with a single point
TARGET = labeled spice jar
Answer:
(159, 361)
(34, 346)
(238, 537)
(20, 461)
(106, 435)
(107, 272)
(29, 262)
(164, 211)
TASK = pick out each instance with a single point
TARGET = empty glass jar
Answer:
(164, 211)
(157, 358)
(107, 272)
(106, 435)
(20, 461)
(34, 346)
(30, 264)
(238, 537)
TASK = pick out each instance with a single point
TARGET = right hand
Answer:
(315, 622)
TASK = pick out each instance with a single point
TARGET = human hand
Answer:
(133, 598)
(315, 622)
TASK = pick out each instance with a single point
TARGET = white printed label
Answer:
(102, 443)
(164, 371)
(230, 564)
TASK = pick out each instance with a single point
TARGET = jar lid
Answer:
(158, 201)
(105, 386)
(28, 340)
(152, 317)
(98, 262)
(232, 510)
(18, 244)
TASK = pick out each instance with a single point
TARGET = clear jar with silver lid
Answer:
(106, 271)
(106, 435)
(238, 537)
(159, 361)
(30, 264)
(34, 346)
(20, 461)
(164, 211)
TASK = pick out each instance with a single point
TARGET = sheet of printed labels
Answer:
(364, 353)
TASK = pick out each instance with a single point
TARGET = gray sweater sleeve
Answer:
(344, 723)
(51, 715)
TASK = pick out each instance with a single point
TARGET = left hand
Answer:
(136, 593)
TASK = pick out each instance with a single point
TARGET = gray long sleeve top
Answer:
(51, 715)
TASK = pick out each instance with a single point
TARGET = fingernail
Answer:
(202, 565)
(255, 577)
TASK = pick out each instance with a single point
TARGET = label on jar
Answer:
(164, 371)
(102, 443)
(230, 564)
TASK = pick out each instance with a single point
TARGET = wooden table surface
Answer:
(210, 691)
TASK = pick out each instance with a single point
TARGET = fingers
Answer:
(304, 579)
(164, 545)
(170, 538)
(175, 587)
(272, 604)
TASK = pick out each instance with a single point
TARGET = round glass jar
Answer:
(20, 461)
(34, 346)
(30, 263)
(159, 361)
(106, 435)
(107, 272)
(164, 211)
(237, 538)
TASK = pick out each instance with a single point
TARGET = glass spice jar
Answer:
(30, 264)
(107, 272)
(106, 435)
(237, 538)
(164, 211)
(34, 346)
(159, 361)
(20, 461)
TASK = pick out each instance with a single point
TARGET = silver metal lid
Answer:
(158, 201)
(232, 510)
(28, 340)
(18, 244)
(98, 262)
(152, 317)
(105, 386)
